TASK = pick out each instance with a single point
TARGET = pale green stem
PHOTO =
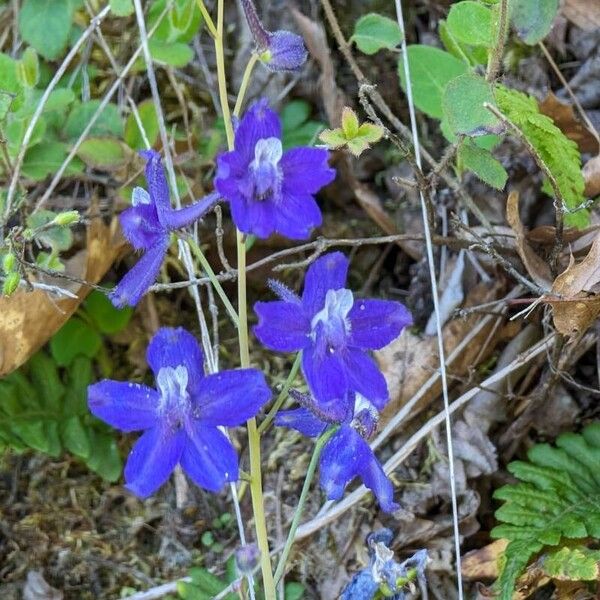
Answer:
(282, 395)
(207, 18)
(310, 473)
(253, 435)
(213, 279)
(244, 86)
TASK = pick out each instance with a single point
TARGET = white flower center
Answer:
(172, 384)
(265, 166)
(338, 304)
(140, 196)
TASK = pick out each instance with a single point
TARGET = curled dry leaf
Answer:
(29, 318)
(565, 119)
(537, 268)
(591, 176)
(483, 563)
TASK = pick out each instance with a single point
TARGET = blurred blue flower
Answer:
(182, 417)
(346, 454)
(269, 190)
(334, 332)
(147, 226)
(278, 50)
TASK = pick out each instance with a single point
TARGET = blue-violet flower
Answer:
(346, 454)
(269, 190)
(182, 417)
(278, 50)
(147, 225)
(334, 332)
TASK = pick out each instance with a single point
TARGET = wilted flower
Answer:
(269, 190)
(148, 224)
(181, 418)
(334, 332)
(346, 454)
(278, 50)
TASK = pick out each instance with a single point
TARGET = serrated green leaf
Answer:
(46, 381)
(105, 316)
(103, 153)
(333, 138)
(149, 120)
(122, 8)
(76, 437)
(74, 338)
(463, 105)
(471, 23)
(483, 164)
(533, 20)
(573, 564)
(349, 123)
(109, 123)
(80, 376)
(45, 25)
(374, 32)
(430, 69)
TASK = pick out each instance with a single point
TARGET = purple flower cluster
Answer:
(334, 333)
(182, 418)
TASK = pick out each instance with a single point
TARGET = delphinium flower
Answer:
(334, 331)
(278, 50)
(148, 225)
(346, 454)
(182, 416)
(269, 190)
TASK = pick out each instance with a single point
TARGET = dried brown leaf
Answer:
(29, 318)
(537, 268)
(484, 563)
(583, 13)
(565, 119)
(580, 277)
(591, 176)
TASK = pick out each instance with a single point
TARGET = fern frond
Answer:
(559, 153)
(557, 499)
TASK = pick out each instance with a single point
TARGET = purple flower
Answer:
(278, 50)
(147, 225)
(334, 332)
(181, 419)
(269, 190)
(346, 454)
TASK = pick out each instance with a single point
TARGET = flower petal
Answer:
(124, 405)
(282, 326)
(365, 377)
(302, 420)
(140, 226)
(376, 323)
(176, 219)
(209, 458)
(285, 51)
(174, 347)
(305, 170)
(296, 215)
(157, 183)
(324, 372)
(152, 459)
(328, 272)
(346, 456)
(232, 397)
(135, 284)
(258, 123)
(253, 217)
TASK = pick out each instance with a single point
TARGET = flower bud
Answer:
(246, 558)
(11, 283)
(8, 262)
(66, 218)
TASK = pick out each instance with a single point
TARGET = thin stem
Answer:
(436, 302)
(221, 77)
(498, 51)
(207, 18)
(244, 86)
(213, 279)
(283, 394)
(310, 473)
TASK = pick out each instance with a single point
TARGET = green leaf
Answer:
(204, 586)
(356, 137)
(560, 154)
(297, 128)
(104, 458)
(80, 376)
(149, 120)
(45, 25)
(6, 99)
(121, 8)
(103, 153)
(9, 82)
(294, 114)
(183, 22)
(471, 23)
(349, 123)
(57, 238)
(105, 316)
(474, 55)
(483, 164)
(533, 20)
(174, 54)
(44, 159)
(73, 339)
(430, 69)
(108, 123)
(294, 591)
(333, 138)
(573, 564)
(28, 68)
(463, 105)
(15, 132)
(374, 32)
(45, 380)
(75, 437)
